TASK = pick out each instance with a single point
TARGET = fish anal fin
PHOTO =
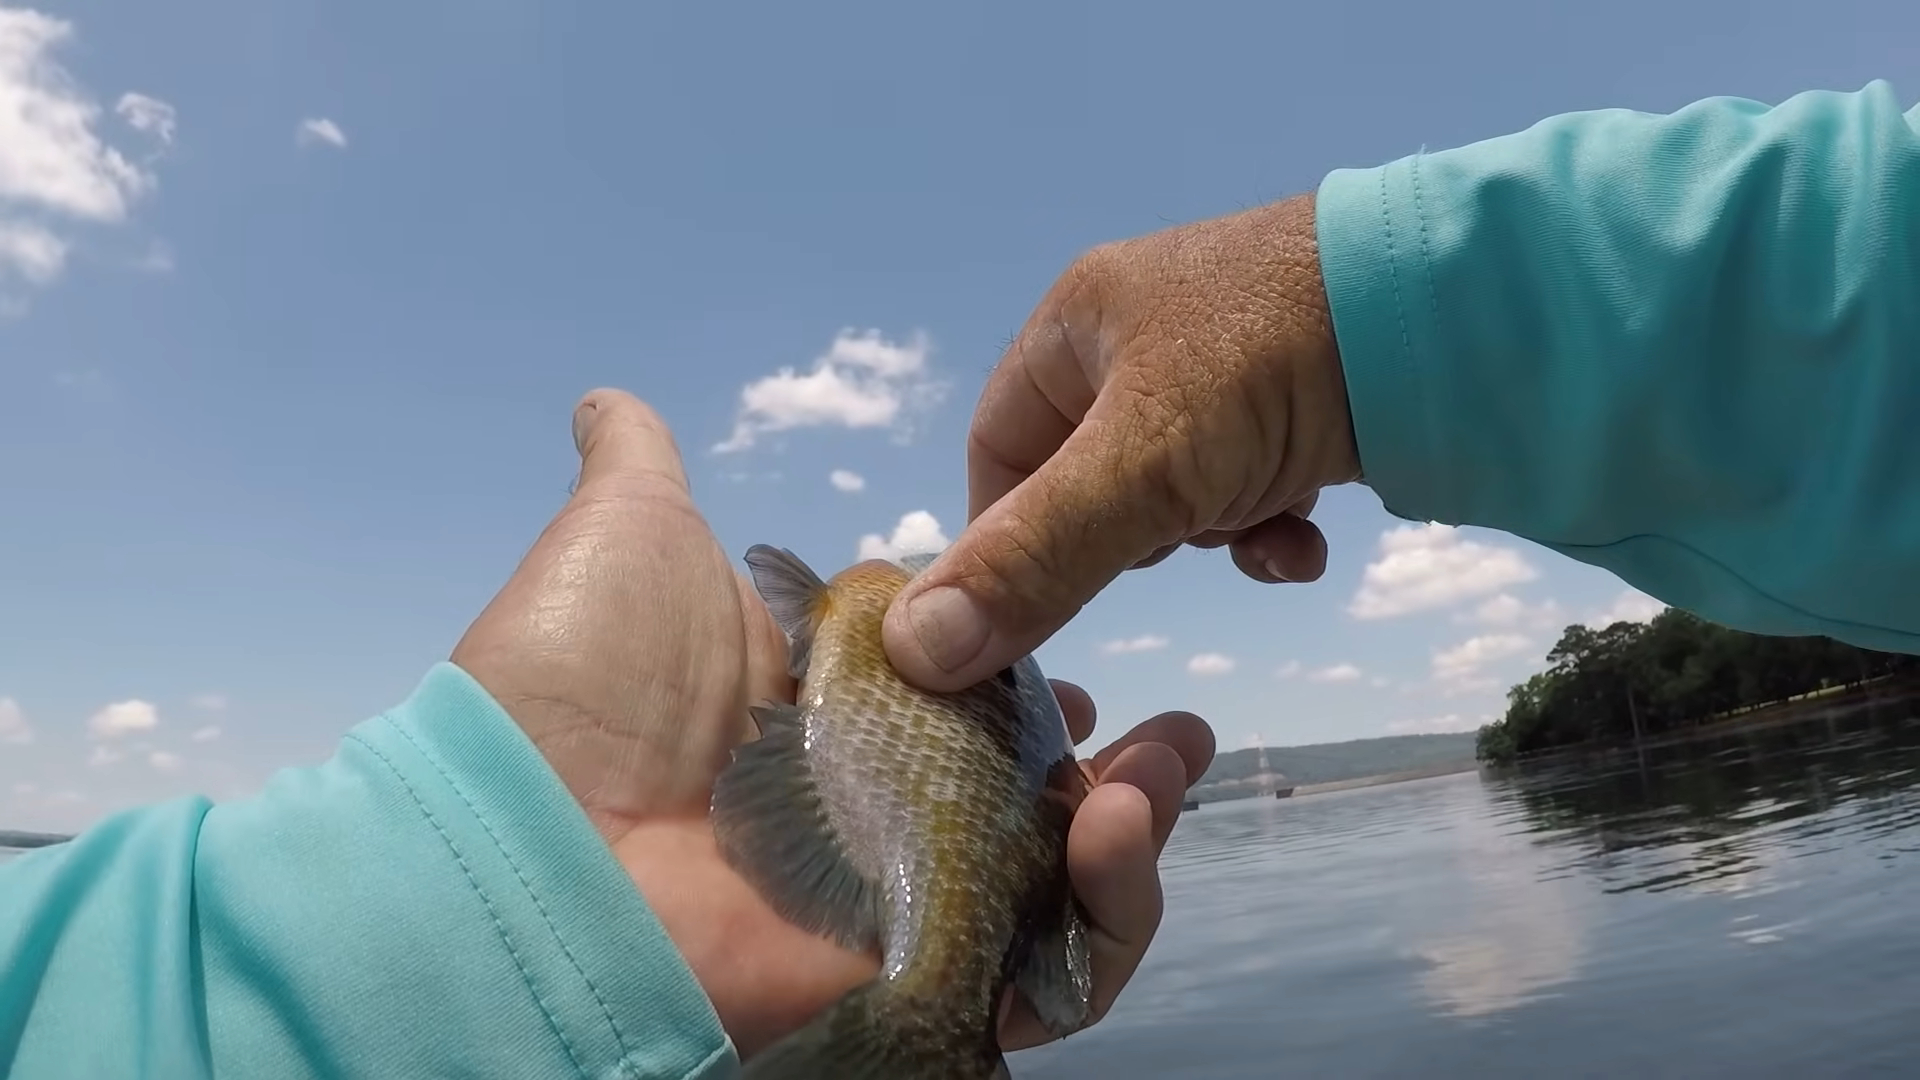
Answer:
(1056, 975)
(794, 596)
(773, 830)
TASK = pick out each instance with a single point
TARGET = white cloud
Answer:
(53, 165)
(863, 381)
(1208, 664)
(1289, 669)
(1507, 610)
(13, 723)
(845, 480)
(1380, 681)
(1336, 673)
(1630, 606)
(1423, 567)
(205, 734)
(209, 702)
(105, 755)
(148, 114)
(1143, 643)
(124, 717)
(319, 129)
(917, 531)
(1436, 725)
(1461, 669)
(164, 760)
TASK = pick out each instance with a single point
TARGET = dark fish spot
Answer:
(1007, 677)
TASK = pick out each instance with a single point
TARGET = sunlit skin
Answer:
(629, 649)
(1182, 387)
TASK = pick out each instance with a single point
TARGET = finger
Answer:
(1159, 556)
(1285, 547)
(1030, 561)
(1185, 734)
(1077, 706)
(1112, 854)
(622, 441)
(1033, 400)
(768, 678)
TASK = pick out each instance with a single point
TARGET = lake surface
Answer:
(1745, 906)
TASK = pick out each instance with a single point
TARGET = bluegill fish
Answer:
(930, 829)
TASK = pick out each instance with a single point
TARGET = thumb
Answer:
(1030, 561)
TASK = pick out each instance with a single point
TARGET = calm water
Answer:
(1742, 907)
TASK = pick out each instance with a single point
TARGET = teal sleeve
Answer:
(1685, 348)
(429, 903)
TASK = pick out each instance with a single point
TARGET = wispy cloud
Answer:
(164, 760)
(1335, 673)
(205, 734)
(55, 169)
(1462, 668)
(1208, 664)
(1426, 567)
(847, 481)
(149, 115)
(1630, 606)
(124, 718)
(13, 723)
(318, 130)
(863, 381)
(1143, 643)
(1437, 725)
(916, 531)
(1506, 610)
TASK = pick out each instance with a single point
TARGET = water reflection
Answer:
(1737, 906)
(1522, 931)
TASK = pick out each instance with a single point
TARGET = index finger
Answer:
(1034, 398)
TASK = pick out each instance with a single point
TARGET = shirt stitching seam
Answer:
(499, 924)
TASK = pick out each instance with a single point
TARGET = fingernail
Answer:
(1274, 571)
(583, 418)
(949, 626)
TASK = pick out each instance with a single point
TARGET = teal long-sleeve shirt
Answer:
(431, 902)
(1683, 347)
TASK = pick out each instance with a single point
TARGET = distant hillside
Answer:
(1323, 763)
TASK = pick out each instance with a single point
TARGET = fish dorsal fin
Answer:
(793, 594)
(772, 828)
(916, 562)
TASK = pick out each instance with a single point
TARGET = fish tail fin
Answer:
(863, 1037)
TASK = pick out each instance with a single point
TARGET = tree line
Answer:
(1629, 681)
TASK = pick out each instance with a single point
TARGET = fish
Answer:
(927, 829)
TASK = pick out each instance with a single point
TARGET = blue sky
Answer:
(292, 333)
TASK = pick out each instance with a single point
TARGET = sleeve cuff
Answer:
(612, 984)
(1374, 261)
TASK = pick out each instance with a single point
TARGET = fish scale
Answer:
(929, 829)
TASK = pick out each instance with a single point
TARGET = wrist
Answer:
(1319, 419)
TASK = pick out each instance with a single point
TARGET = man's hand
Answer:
(629, 650)
(1183, 387)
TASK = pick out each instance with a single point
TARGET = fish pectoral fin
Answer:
(793, 593)
(1057, 975)
(768, 717)
(773, 830)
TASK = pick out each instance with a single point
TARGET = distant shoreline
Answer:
(1237, 793)
(1799, 709)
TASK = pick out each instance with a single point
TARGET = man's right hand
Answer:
(1180, 388)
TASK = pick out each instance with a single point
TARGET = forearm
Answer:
(431, 902)
(1685, 348)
